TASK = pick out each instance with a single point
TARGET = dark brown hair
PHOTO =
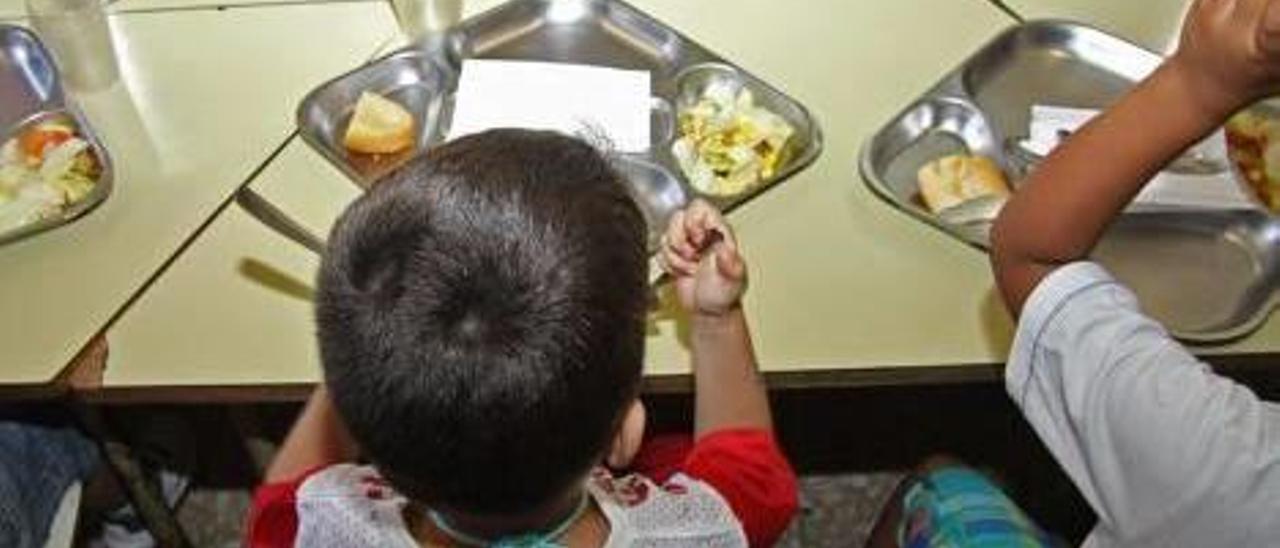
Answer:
(481, 318)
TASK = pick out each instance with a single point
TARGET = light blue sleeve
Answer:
(1167, 452)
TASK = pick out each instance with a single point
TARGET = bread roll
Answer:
(379, 126)
(952, 180)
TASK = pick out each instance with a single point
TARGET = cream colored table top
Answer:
(14, 9)
(1151, 23)
(253, 289)
(840, 280)
(160, 5)
(204, 97)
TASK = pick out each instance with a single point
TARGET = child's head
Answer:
(481, 319)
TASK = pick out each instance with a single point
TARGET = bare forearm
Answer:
(318, 438)
(730, 391)
(1066, 205)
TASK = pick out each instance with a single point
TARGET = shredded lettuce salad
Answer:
(42, 171)
(727, 143)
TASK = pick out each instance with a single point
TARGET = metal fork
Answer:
(275, 219)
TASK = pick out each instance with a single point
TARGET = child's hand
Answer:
(700, 253)
(1230, 52)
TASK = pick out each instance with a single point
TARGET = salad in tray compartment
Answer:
(45, 168)
(728, 143)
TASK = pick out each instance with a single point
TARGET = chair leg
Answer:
(143, 491)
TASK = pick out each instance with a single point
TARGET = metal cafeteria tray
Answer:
(31, 93)
(1206, 275)
(424, 77)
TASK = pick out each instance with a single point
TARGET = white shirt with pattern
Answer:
(348, 505)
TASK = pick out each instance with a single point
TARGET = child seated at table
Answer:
(481, 320)
(1167, 452)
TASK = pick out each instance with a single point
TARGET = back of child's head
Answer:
(481, 319)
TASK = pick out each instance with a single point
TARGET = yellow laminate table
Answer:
(1154, 24)
(12, 10)
(166, 5)
(204, 98)
(16, 9)
(840, 281)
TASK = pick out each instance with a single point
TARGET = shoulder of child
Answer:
(350, 505)
(345, 479)
(641, 510)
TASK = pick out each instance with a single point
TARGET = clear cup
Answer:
(420, 19)
(79, 36)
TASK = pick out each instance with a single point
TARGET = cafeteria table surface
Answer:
(203, 99)
(196, 298)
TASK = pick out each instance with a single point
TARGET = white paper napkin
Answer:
(1168, 189)
(571, 99)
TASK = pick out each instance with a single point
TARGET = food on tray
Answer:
(379, 126)
(953, 180)
(727, 143)
(1254, 141)
(43, 170)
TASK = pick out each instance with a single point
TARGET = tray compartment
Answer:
(800, 149)
(31, 93)
(28, 79)
(658, 193)
(1051, 64)
(933, 127)
(1211, 277)
(590, 32)
(412, 78)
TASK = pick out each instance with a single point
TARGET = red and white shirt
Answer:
(730, 488)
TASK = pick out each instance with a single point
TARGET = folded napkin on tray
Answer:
(573, 99)
(1214, 188)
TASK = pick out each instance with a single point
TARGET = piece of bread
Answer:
(379, 126)
(953, 180)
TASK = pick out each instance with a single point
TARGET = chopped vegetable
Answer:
(44, 170)
(36, 141)
(728, 144)
(1254, 141)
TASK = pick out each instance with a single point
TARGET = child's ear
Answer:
(626, 443)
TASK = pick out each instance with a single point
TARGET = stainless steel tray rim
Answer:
(866, 171)
(56, 97)
(807, 144)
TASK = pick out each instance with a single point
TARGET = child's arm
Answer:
(735, 452)
(317, 439)
(1228, 57)
(710, 277)
(1165, 451)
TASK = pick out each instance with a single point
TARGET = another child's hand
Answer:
(701, 254)
(1230, 51)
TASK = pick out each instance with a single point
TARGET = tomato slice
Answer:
(35, 141)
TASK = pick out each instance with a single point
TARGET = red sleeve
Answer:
(273, 517)
(749, 470)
